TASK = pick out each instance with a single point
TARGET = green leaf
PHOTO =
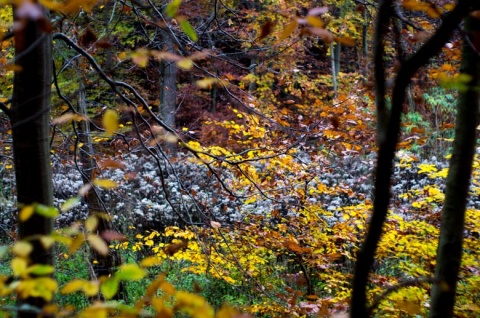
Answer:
(189, 30)
(172, 8)
(39, 269)
(109, 287)
(459, 82)
(130, 272)
(3, 251)
(70, 203)
(46, 211)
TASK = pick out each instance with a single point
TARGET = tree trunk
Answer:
(104, 265)
(388, 130)
(168, 90)
(30, 120)
(453, 215)
(335, 61)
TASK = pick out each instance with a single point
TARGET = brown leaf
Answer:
(87, 38)
(114, 164)
(266, 29)
(324, 34)
(215, 225)
(173, 248)
(104, 44)
(335, 122)
(317, 11)
(112, 236)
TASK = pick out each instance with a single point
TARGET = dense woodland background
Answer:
(239, 158)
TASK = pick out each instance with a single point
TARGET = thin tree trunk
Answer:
(168, 90)
(449, 253)
(333, 51)
(103, 265)
(366, 22)
(30, 120)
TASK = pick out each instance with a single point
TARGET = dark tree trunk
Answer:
(30, 129)
(453, 215)
(388, 130)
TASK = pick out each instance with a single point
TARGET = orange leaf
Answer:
(289, 29)
(114, 164)
(345, 41)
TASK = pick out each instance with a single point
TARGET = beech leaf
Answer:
(110, 121)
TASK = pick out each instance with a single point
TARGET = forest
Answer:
(239, 158)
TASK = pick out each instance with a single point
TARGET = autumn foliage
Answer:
(264, 184)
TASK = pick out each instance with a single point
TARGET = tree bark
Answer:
(388, 130)
(168, 90)
(104, 265)
(30, 129)
(453, 215)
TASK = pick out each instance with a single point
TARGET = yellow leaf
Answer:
(73, 286)
(185, 64)
(22, 248)
(193, 304)
(151, 261)
(96, 312)
(410, 307)
(26, 212)
(227, 312)
(121, 56)
(141, 57)
(47, 241)
(43, 287)
(91, 288)
(76, 243)
(110, 121)
(206, 83)
(315, 22)
(19, 266)
(105, 183)
(98, 244)
(91, 223)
